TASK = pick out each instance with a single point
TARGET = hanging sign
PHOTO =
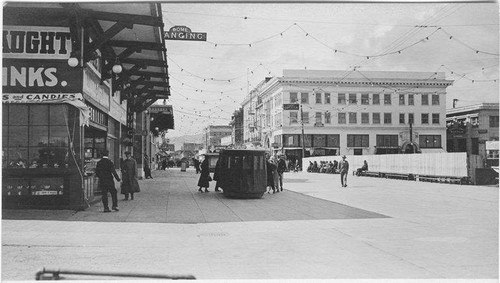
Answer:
(184, 33)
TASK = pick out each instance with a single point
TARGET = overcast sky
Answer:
(209, 79)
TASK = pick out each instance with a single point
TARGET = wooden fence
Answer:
(435, 164)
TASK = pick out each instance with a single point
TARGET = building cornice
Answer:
(364, 82)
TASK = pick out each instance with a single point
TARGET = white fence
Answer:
(438, 164)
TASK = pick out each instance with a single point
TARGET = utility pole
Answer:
(303, 138)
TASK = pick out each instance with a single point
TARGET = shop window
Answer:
(35, 136)
(430, 141)
(291, 140)
(319, 140)
(5, 115)
(307, 140)
(376, 99)
(18, 115)
(376, 118)
(358, 141)
(333, 140)
(387, 141)
(39, 136)
(39, 114)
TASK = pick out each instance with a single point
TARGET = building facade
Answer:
(70, 92)
(237, 125)
(212, 135)
(471, 128)
(352, 113)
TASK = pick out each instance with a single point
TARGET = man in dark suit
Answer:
(281, 170)
(105, 170)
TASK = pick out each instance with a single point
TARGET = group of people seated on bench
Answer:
(331, 167)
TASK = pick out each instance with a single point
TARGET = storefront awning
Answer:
(129, 34)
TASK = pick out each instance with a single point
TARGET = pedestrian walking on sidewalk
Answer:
(281, 170)
(130, 185)
(270, 169)
(105, 171)
(218, 175)
(344, 170)
(204, 180)
(147, 169)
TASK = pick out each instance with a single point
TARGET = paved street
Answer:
(375, 228)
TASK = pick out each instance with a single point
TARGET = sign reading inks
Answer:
(184, 33)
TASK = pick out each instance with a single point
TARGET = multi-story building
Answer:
(471, 128)
(237, 124)
(212, 135)
(348, 112)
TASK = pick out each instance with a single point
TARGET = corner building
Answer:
(77, 79)
(351, 113)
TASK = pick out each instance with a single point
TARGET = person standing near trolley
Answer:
(344, 171)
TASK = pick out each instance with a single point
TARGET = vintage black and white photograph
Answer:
(227, 140)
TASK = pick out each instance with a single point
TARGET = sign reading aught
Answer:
(184, 33)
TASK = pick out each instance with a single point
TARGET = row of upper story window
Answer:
(376, 118)
(363, 98)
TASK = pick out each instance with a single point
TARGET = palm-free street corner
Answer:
(375, 228)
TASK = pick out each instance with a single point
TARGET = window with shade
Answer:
(341, 98)
(341, 118)
(293, 97)
(327, 98)
(318, 98)
(358, 141)
(304, 98)
(430, 141)
(376, 99)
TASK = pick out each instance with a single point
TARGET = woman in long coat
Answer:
(129, 177)
(203, 182)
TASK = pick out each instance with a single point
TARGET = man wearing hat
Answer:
(344, 169)
(105, 171)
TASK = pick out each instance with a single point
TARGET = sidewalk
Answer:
(375, 228)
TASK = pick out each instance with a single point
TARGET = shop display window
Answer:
(35, 136)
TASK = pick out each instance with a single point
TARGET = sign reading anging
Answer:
(184, 33)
